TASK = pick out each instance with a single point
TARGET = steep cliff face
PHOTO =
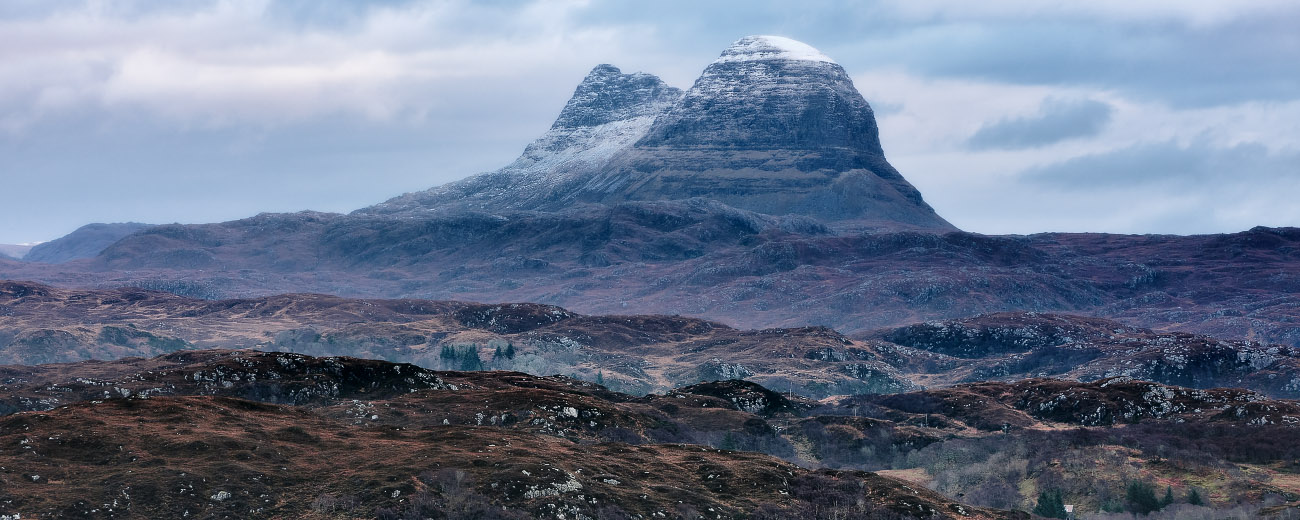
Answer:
(771, 126)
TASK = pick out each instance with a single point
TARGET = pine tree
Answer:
(448, 357)
(497, 354)
(600, 377)
(470, 361)
(510, 350)
(1194, 497)
(1168, 498)
(1140, 497)
(1050, 505)
(1112, 506)
(728, 442)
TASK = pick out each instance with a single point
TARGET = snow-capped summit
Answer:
(770, 92)
(772, 126)
(751, 48)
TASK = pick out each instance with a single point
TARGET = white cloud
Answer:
(231, 64)
(1250, 144)
(1199, 13)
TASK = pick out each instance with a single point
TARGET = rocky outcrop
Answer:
(1016, 345)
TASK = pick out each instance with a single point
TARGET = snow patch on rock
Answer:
(764, 47)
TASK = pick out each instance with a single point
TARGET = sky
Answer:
(1010, 116)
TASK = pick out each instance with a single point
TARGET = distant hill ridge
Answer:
(86, 242)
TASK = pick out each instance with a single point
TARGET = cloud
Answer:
(1159, 187)
(1170, 165)
(1162, 187)
(212, 110)
(1222, 64)
(1057, 121)
(1152, 168)
(264, 63)
(1194, 13)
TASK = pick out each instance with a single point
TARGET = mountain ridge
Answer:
(85, 242)
(753, 270)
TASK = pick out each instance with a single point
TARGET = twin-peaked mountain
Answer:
(772, 126)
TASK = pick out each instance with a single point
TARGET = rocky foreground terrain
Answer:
(246, 434)
(179, 436)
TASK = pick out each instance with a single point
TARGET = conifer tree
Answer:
(1140, 497)
(1050, 505)
(469, 360)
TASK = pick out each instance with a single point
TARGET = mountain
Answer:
(85, 242)
(771, 126)
(540, 231)
(976, 375)
(716, 262)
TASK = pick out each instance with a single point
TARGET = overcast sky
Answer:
(1011, 116)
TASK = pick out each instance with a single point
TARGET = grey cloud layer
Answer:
(1171, 166)
(1059, 120)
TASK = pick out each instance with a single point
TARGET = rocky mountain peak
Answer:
(770, 92)
(607, 95)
